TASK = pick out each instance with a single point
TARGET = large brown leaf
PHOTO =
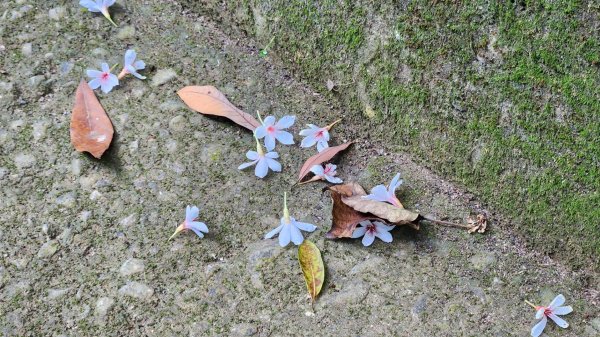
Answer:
(91, 129)
(320, 158)
(345, 218)
(210, 101)
(392, 214)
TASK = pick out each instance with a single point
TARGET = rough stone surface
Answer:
(132, 266)
(163, 76)
(232, 281)
(136, 290)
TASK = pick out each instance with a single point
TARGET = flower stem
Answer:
(315, 178)
(328, 127)
(286, 213)
(113, 67)
(531, 304)
(259, 118)
(447, 223)
(259, 148)
(122, 74)
(107, 15)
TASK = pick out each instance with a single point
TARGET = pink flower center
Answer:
(372, 229)
(104, 76)
(327, 170)
(270, 129)
(547, 312)
(319, 134)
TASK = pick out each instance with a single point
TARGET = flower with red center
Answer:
(191, 213)
(381, 193)
(271, 131)
(316, 135)
(327, 173)
(370, 229)
(552, 311)
(99, 6)
(102, 79)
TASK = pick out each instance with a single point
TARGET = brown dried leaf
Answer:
(91, 129)
(345, 218)
(320, 158)
(389, 213)
(209, 100)
(478, 224)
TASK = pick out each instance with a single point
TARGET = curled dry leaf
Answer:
(345, 218)
(479, 224)
(91, 130)
(349, 209)
(320, 158)
(392, 214)
(210, 101)
(312, 266)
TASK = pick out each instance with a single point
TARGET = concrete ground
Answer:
(83, 242)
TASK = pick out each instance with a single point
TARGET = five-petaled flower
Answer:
(271, 131)
(191, 213)
(381, 193)
(100, 6)
(328, 173)
(263, 161)
(103, 79)
(289, 229)
(553, 310)
(132, 66)
(316, 135)
(370, 229)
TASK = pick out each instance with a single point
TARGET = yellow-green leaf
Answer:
(311, 263)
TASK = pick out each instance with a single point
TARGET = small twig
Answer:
(447, 223)
(531, 304)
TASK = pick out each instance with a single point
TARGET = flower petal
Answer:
(284, 137)
(559, 321)
(199, 233)
(191, 213)
(308, 132)
(93, 73)
(308, 141)
(382, 227)
(109, 3)
(130, 57)
(270, 120)
(95, 83)
(130, 69)
(396, 181)
(262, 168)
(557, 301)
(90, 5)
(368, 239)
(200, 226)
(539, 327)
(269, 142)
(252, 155)
(273, 232)
(322, 145)
(317, 170)
(139, 65)
(272, 155)
(260, 132)
(105, 67)
(305, 226)
(285, 122)
(385, 236)
(297, 237)
(273, 164)
(285, 235)
(562, 310)
(245, 165)
(378, 193)
(358, 232)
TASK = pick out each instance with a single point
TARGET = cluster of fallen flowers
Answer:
(355, 213)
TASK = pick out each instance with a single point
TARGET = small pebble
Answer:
(132, 266)
(136, 290)
(163, 76)
(126, 32)
(23, 160)
(27, 49)
(48, 249)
